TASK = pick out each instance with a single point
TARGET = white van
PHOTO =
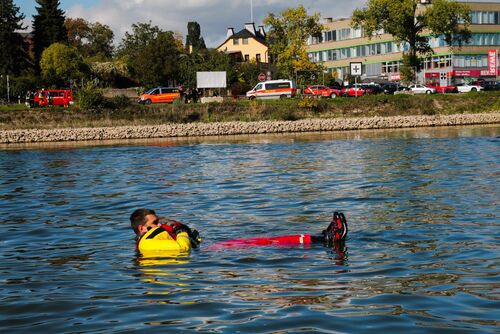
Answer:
(273, 89)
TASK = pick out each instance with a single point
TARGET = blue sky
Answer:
(214, 16)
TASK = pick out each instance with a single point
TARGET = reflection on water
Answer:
(421, 255)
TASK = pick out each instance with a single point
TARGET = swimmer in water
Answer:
(153, 231)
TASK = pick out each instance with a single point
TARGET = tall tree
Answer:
(193, 38)
(150, 54)
(48, 27)
(410, 23)
(142, 34)
(13, 58)
(287, 35)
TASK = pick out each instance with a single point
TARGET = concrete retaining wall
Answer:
(235, 128)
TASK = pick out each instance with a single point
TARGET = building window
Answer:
(236, 41)
(245, 40)
(485, 17)
(257, 57)
(247, 57)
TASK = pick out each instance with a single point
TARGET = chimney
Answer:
(250, 27)
(230, 32)
(262, 31)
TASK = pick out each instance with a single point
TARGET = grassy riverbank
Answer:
(18, 117)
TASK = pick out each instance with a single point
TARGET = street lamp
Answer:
(8, 88)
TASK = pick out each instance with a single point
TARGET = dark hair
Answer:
(138, 217)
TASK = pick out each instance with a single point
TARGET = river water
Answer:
(421, 256)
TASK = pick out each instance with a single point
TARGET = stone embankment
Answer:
(235, 128)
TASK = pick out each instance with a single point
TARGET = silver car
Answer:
(421, 89)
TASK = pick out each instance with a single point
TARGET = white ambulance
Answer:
(273, 89)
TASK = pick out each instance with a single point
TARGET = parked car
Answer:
(490, 85)
(443, 89)
(403, 90)
(160, 95)
(50, 97)
(421, 89)
(389, 88)
(353, 91)
(371, 89)
(320, 90)
(466, 88)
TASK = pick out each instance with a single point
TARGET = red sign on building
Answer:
(492, 62)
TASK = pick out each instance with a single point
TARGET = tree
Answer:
(150, 54)
(93, 40)
(287, 35)
(48, 27)
(204, 60)
(100, 41)
(78, 31)
(157, 62)
(408, 22)
(142, 34)
(193, 37)
(13, 58)
(60, 63)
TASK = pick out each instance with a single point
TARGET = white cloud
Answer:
(214, 16)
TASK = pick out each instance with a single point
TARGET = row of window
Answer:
(483, 39)
(236, 41)
(338, 35)
(477, 17)
(485, 17)
(430, 63)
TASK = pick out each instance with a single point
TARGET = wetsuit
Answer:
(285, 240)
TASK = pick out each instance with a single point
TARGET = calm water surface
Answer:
(422, 254)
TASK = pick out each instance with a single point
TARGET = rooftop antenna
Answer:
(251, 11)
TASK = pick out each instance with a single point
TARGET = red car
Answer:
(443, 89)
(320, 90)
(353, 91)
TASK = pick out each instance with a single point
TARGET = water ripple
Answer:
(422, 254)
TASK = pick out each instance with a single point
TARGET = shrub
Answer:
(91, 98)
(119, 102)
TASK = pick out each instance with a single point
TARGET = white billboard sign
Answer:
(211, 80)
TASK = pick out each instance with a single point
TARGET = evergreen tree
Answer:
(48, 27)
(13, 58)
(193, 37)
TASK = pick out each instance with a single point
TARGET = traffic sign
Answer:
(356, 68)
(262, 77)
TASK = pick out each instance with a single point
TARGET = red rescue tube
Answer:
(285, 241)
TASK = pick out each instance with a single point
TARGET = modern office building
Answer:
(381, 57)
(247, 44)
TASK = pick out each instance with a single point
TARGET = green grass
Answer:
(19, 117)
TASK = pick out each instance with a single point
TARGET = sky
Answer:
(214, 16)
